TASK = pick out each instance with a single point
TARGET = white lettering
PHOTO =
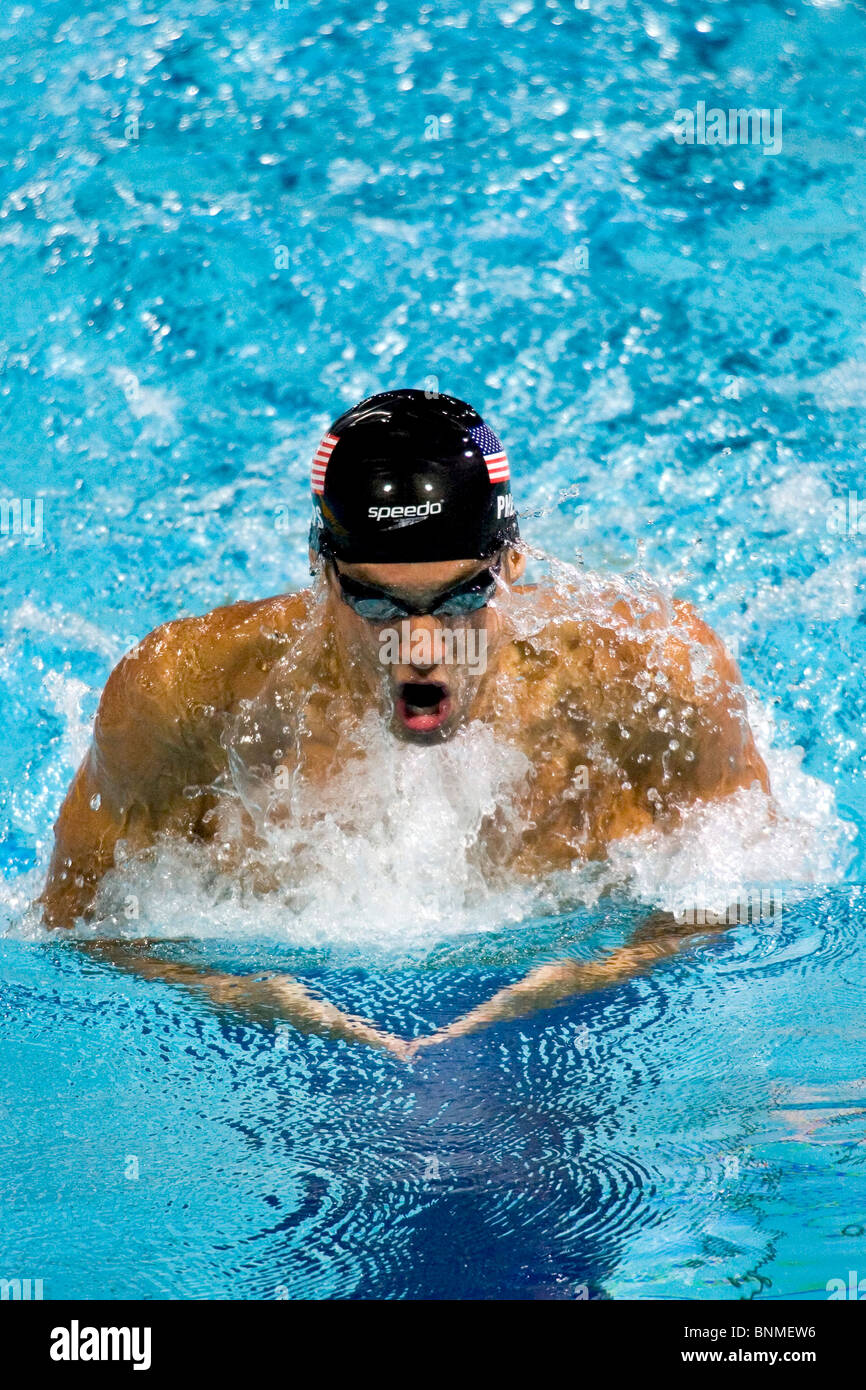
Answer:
(452, 646)
(738, 126)
(421, 510)
(102, 1344)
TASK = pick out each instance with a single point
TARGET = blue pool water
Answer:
(219, 225)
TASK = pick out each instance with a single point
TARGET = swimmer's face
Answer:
(424, 670)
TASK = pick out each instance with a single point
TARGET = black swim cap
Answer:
(407, 476)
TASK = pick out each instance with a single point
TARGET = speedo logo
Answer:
(422, 509)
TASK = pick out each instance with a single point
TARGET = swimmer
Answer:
(628, 711)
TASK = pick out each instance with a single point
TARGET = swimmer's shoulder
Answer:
(198, 665)
(614, 633)
(664, 641)
(264, 626)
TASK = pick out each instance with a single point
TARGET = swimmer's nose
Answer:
(423, 623)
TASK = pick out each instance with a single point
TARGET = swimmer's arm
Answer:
(657, 939)
(722, 757)
(84, 842)
(715, 753)
(153, 741)
(267, 999)
(87, 833)
(138, 762)
(147, 748)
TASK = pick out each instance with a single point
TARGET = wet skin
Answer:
(646, 702)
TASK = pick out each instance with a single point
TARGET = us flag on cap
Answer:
(320, 463)
(494, 454)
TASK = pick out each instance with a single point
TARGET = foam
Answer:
(389, 859)
(389, 856)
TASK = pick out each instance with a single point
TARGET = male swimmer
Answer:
(628, 713)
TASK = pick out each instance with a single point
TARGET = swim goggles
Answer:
(377, 606)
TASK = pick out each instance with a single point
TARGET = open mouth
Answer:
(423, 705)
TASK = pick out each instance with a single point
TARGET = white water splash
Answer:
(388, 856)
(387, 861)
